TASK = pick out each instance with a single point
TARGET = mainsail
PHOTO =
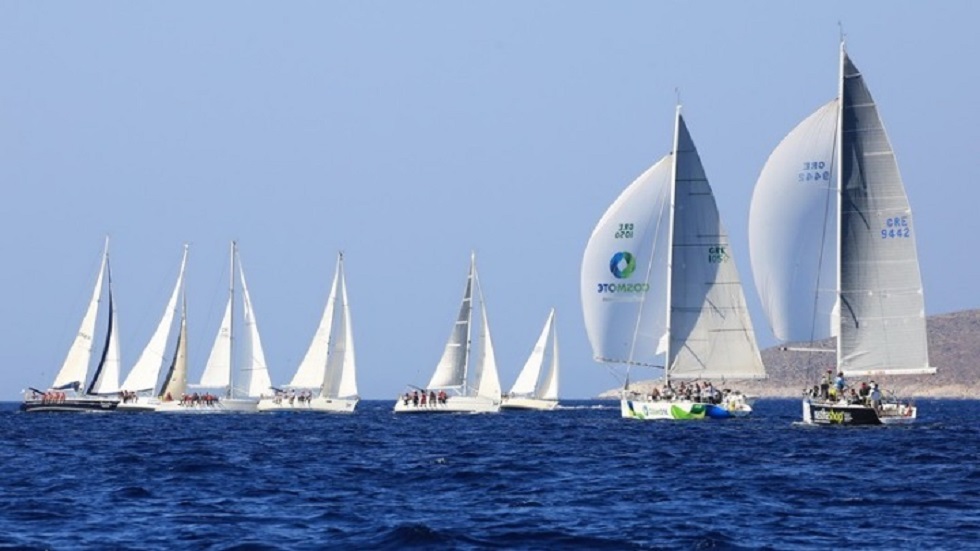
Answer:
(451, 370)
(257, 381)
(844, 262)
(339, 376)
(74, 370)
(146, 371)
(659, 282)
(539, 376)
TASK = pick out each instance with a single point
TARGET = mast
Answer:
(839, 152)
(231, 321)
(469, 323)
(670, 243)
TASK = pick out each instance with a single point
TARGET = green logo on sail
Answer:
(622, 265)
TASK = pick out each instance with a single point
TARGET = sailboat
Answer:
(536, 386)
(843, 262)
(465, 380)
(219, 371)
(325, 378)
(139, 390)
(660, 289)
(69, 391)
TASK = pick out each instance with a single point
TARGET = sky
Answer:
(408, 134)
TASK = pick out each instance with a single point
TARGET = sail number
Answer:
(896, 227)
(625, 231)
(813, 171)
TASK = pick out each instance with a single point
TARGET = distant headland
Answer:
(954, 349)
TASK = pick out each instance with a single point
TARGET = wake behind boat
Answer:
(68, 392)
(660, 289)
(325, 379)
(844, 263)
(459, 384)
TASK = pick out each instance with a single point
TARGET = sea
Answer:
(579, 477)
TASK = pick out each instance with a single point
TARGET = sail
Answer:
(310, 373)
(106, 377)
(254, 367)
(487, 378)
(75, 367)
(548, 386)
(217, 371)
(623, 281)
(340, 379)
(451, 369)
(146, 371)
(792, 231)
(175, 381)
(527, 381)
(882, 311)
(711, 335)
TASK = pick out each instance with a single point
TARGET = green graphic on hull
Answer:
(697, 412)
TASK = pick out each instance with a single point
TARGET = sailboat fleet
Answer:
(659, 289)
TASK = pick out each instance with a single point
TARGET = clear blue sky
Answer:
(408, 134)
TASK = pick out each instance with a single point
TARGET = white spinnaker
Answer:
(624, 272)
(792, 235)
(146, 371)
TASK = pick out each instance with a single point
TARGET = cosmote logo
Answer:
(622, 265)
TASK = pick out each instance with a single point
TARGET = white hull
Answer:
(142, 406)
(653, 410)
(225, 405)
(523, 402)
(454, 404)
(318, 404)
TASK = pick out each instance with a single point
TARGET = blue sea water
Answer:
(577, 478)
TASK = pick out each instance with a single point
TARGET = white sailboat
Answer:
(536, 386)
(660, 289)
(326, 378)
(69, 391)
(219, 371)
(139, 390)
(843, 262)
(465, 381)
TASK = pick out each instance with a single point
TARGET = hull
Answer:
(144, 405)
(319, 404)
(69, 405)
(453, 404)
(681, 410)
(224, 405)
(817, 412)
(521, 402)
